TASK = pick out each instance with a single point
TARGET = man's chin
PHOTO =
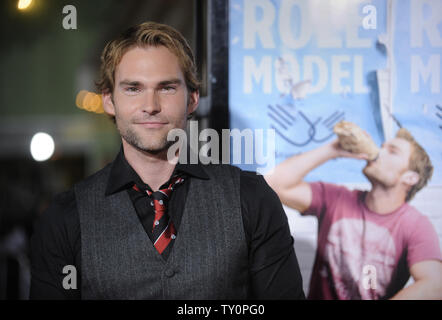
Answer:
(369, 175)
(369, 169)
(149, 143)
(376, 178)
(153, 149)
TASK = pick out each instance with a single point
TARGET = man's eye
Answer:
(168, 89)
(132, 89)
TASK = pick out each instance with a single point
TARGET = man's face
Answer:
(390, 167)
(150, 98)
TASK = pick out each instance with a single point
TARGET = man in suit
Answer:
(147, 227)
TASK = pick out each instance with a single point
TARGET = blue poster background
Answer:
(280, 98)
(418, 106)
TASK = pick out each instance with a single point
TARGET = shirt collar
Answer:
(123, 176)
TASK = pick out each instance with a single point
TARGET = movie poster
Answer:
(298, 67)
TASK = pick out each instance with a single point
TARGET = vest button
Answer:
(169, 273)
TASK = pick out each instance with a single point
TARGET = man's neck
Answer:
(383, 200)
(153, 169)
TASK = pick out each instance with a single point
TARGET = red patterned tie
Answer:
(163, 229)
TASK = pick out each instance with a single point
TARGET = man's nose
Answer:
(151, 102)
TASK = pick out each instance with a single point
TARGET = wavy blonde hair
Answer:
(144, 35)
(419, 162)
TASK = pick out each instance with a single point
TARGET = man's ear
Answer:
(193, 101)
(410, 178)
(108, 104)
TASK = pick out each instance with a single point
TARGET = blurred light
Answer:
(89, 101)
(80, 97)
(24, 4)
(42, 146)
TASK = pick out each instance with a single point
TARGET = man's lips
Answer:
(151, 124)
(372, 162)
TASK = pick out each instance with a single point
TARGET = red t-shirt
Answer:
(362, 254)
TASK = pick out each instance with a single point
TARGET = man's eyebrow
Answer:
(170, 81)
(129, 83)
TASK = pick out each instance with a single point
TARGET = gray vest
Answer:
(209, 259)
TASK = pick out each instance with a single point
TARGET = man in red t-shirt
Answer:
(368, 242)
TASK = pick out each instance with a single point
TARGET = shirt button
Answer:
(157, 222)
(173, 237)
(161, 202)
(169, 273)
(151, 203)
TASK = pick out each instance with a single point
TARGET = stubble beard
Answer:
(371, 176)
(157, 146)
(134, 139)
(376, 177)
